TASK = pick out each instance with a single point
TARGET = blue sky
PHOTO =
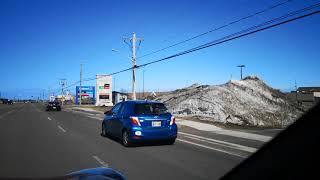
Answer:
(43, 41)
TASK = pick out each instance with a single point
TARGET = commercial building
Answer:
(103, 90)
(119, 97)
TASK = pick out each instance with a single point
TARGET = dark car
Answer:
(10, 102)
(53, 106)
(4, 101)
(136, 121)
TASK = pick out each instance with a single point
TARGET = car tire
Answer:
(125, 139)
(104, 131)
(171, 141)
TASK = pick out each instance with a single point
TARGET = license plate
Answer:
(54, 107)
(156, 123)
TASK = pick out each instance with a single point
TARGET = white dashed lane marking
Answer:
(49, 119)
(100, 161)
(63, 130)
(9, 112)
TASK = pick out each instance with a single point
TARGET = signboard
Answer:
(87, 94)
(104, 90)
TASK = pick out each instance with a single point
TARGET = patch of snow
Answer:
(244, 102)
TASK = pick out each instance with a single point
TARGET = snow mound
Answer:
(244, 102)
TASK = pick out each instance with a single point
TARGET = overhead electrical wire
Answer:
(237, 35)
(234, 36)
(218, 28)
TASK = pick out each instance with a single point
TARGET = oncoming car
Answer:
(136, 121)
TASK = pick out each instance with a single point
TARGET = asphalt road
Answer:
(36, 143)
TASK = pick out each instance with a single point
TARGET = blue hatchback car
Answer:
(136, 121)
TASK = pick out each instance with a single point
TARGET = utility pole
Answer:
(80, 89)
(133, 41)
(134, 66)
(143, 84)
(241, 66)
(114, 83)
(49, 92)
(295, 85)
(43, 91)
(62, 83)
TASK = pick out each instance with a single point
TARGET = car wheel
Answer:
(104, 131)
(125, 139)
(171, 141)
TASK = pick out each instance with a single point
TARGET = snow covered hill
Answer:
(244, 102)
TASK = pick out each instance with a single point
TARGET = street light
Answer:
(133, 60)
(123, 55)
(241, 66)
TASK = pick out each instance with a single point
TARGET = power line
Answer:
(197, 36)
(218, 28)
(233, 36)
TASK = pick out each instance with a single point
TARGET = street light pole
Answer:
(143, 84)
(241, 66)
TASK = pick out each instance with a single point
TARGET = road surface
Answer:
(36, 143)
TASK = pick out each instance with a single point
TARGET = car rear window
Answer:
(54, 103)
(150, 109)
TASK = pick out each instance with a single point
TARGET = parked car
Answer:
(53, 106)
(136, 121)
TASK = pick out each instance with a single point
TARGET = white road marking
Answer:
(100, 161)
(93, 117)
(37, 109)
(89, 115)
(211, 148)
(212, 128)
(49, 118)
(244, 135)
(223, 143)
(63, 130)
(9, 112)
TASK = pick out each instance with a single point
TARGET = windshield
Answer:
(156, 89)
(150, 109)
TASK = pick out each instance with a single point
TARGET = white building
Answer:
(103, 90)
(119, 97)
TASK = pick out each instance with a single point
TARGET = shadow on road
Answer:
(140, 144)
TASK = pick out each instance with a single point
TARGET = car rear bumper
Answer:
(54, 109)
(139, 134)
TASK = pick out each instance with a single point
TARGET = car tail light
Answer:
(135, 120)
(173, 120)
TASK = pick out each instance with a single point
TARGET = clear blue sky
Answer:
(42, 41)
